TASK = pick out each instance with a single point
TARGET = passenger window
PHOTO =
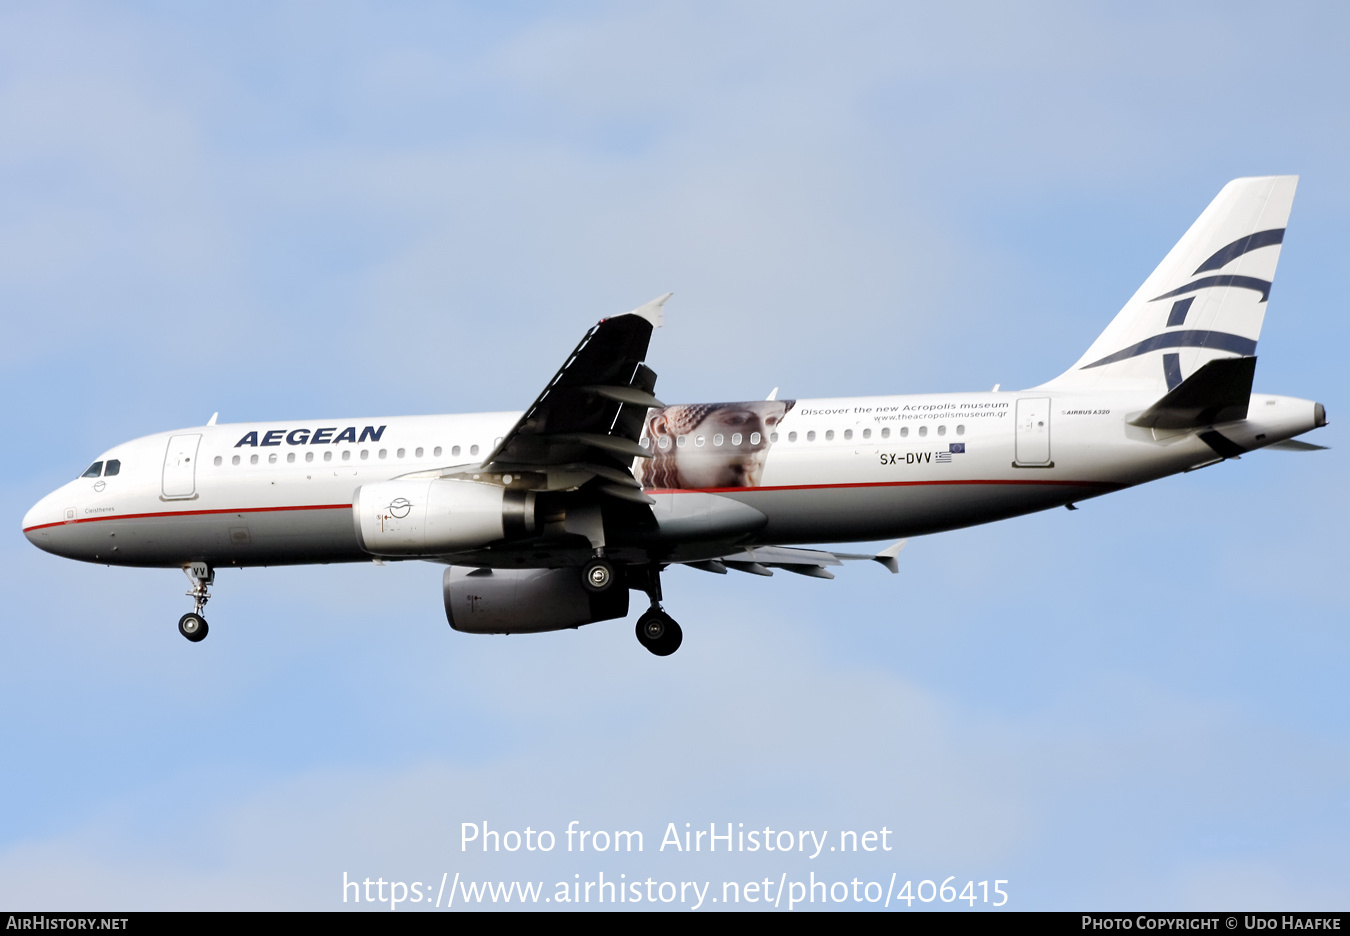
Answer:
(792, 436)
(364, 454)
(923, 431)
(309, 456)
(829, 435)
(272, 459)
(811, 436)
(290, 457)
(114, 466)
(473, 450)
(698, 441)
(328, 455)
(736, 439)
(384, 453)
(418, 453)
(867, 433)
(663, 443)
(717, 439)
(93, 471)
(754, 438)
(904, 432)
(253, 459)
(401, 453)
(454, 451)
(347, 455)
(217, 461)
(681, 441)
(886, 432)
(960, 430)
(235, 460)
(942, 430)
(848, 433)
(773, 436)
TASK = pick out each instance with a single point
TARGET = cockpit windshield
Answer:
(93, 471)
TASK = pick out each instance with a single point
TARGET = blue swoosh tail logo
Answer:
(1223, 279)
(1239, 247)
(1190, 338)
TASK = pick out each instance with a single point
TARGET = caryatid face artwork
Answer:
(710, 445)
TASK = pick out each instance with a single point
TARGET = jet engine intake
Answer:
(525, 601)
(417, 517)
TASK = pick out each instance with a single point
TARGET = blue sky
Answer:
(286, 210)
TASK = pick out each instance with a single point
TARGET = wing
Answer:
(762, 560)
(586, 423)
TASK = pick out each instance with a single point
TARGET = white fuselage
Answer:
(837, 470)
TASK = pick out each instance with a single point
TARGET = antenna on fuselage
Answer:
(773, 394)
(212, 420)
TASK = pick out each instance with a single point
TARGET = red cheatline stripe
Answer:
(188, 513)
(872, 484)
(722, 490)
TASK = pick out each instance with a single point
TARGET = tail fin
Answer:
(1204, 302)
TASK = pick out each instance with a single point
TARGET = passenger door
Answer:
(1033, 433)
(180, 467)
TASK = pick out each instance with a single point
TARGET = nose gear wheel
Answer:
(193, 627)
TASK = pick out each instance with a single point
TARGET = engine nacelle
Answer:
(526, 601)
(416, 517)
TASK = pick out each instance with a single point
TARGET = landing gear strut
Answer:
(656, 630)
(192, 625)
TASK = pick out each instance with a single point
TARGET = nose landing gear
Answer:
(192, 625)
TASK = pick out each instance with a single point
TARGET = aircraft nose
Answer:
(41, 515)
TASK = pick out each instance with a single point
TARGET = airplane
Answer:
(547, 519)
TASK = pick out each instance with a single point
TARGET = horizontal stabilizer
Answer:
(1218, 392)
(1295, 445)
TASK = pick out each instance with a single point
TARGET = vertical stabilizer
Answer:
(1205, 301)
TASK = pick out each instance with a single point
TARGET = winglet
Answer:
(887, 556)
(652, 311)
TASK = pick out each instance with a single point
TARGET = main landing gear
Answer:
(192, 625)
(598, 574)
(656, 630)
